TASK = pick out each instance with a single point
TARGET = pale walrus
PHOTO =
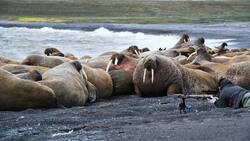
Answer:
(19, 94)
(16, 68)
(45, 61)
(4, 61)
(157, 75)
(70, 87)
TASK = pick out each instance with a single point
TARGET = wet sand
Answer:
(128, 118)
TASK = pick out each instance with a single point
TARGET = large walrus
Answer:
(69, 85)
(45, 61)
(19, 94)
(16, 68)
(101, 80)
(157, 75)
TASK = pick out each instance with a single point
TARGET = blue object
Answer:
(188, 106)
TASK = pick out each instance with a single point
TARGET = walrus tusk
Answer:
(136, 52)
(191, 55)
(116, 61)
(185, 40)
(144, 75)
(84, 74)
(152, 75)
(108, 66)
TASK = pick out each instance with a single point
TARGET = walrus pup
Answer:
(45, 61)
(19, 94)
(157, 75)
(70, 87)
(101, 80)
(184, 39)
(32, 75)
(17, 69)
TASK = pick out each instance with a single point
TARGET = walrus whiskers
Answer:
(108, 66)
(144, 75)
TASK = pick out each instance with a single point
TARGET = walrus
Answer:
(239, 74)
(145, 49)
(122, 61)
(17, 69)
(156, 75)
(196, 44)
(53, 52)
(4, 61)
(101, 80)
(71, 56)
(220, 49)
(184, 39)
(132, 49)
(69, 85)
(19, 94)
(122, 82)
(31, 75)
(45, 61)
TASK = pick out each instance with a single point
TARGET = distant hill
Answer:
(125, 11)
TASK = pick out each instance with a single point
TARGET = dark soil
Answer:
(128, 118)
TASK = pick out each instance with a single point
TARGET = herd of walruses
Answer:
(62, 80)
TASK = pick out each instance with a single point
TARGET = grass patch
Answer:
(127, 11)
(39, 19)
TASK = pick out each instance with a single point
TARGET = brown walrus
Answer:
(239, 73)
(69, 85)
(31, 75)
(45, 61)
(184, 39)
(156, 75)
(100, 79)
(16, 68)
(19, 94)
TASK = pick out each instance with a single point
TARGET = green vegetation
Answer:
(124, 11)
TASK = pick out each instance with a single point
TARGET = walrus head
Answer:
(134, 49)
(115, 59)
(202, 55)
(161, 49)
(223, 45)
(77, 65)
(150, 64)
(200, 41)
(185, 38)
(53, 52)
(145, 49)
